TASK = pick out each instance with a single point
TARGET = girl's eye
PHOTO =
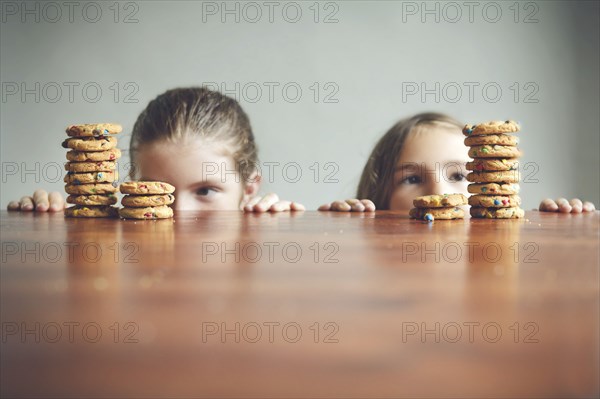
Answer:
(456, 177)
(205, 191)
(414, 179)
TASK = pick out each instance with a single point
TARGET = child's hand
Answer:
(271, 203)
(41, 201)
(350, 205)
(563, 206)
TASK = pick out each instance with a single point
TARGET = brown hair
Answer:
(196, 112)
(376, 181)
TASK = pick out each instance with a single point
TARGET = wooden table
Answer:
(300, 305)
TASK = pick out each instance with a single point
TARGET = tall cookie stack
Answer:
(494, 170)
(91, 178)
(146, 200)
(443, 207)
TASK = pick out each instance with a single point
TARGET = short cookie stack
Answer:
(146, 200)
(92, 171)
(494, 170)
(443, 207)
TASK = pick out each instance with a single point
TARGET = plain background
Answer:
(365, 58)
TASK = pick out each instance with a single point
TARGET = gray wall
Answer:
(365, 61)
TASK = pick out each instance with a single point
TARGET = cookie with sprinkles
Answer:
(91, 177)
(146, 187)
(492, 139)
(100, 143)
(492, 127)
(494, 151)
(494, 188)
(495, 201)
(93, 129)
(151, 212)
(497, 213)
(507, 176)
(431, 214)
(81, 211)
(481, 164)
(89, 189)
(82, 167)
(96, 156)
(440, 201)
(92, 200)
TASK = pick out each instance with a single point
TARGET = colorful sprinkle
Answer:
(428, 217)
(483, 189)
(496, 202)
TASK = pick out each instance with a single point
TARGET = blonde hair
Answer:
(377, 179)
(183, 113)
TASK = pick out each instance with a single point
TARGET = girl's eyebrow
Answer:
(406, 165)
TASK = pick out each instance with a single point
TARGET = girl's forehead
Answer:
(434, 143)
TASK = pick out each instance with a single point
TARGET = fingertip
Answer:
(324, 207)
(41, 208)
(12, 206)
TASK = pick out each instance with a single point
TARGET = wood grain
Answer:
(387, 295)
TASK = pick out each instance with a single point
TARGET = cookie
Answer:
(494, 151)
(80, 211)
(93, 129)
(89, 189)
(146, 187)
(440, 201)
(139, 201)
(100, 143)
(78, 156)
(493, 127)
(497, 213)
(492, 139)
(430, 214)
(150, 212)
(81, 167)
(91, 177)
(109, 199)
(494, 188)
(495, 201)
(508, 176)
(482, 164)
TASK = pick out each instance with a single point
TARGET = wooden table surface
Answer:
(307, 304)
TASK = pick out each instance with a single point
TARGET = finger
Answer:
(588, 206)
(356, 205)
(325, 207)
(280, 206)
(563, 205)
(26, 204)
(548, 205)
(369, 205)
(576, 205)
(266, 202)
(250, 205)
(340, 206)
(295, 206)
(57, 203)
(40, 200)
(13, 206)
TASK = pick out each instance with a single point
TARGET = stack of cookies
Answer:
(146, 200)
(443, 207)
(494, 170)
(91, 178)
